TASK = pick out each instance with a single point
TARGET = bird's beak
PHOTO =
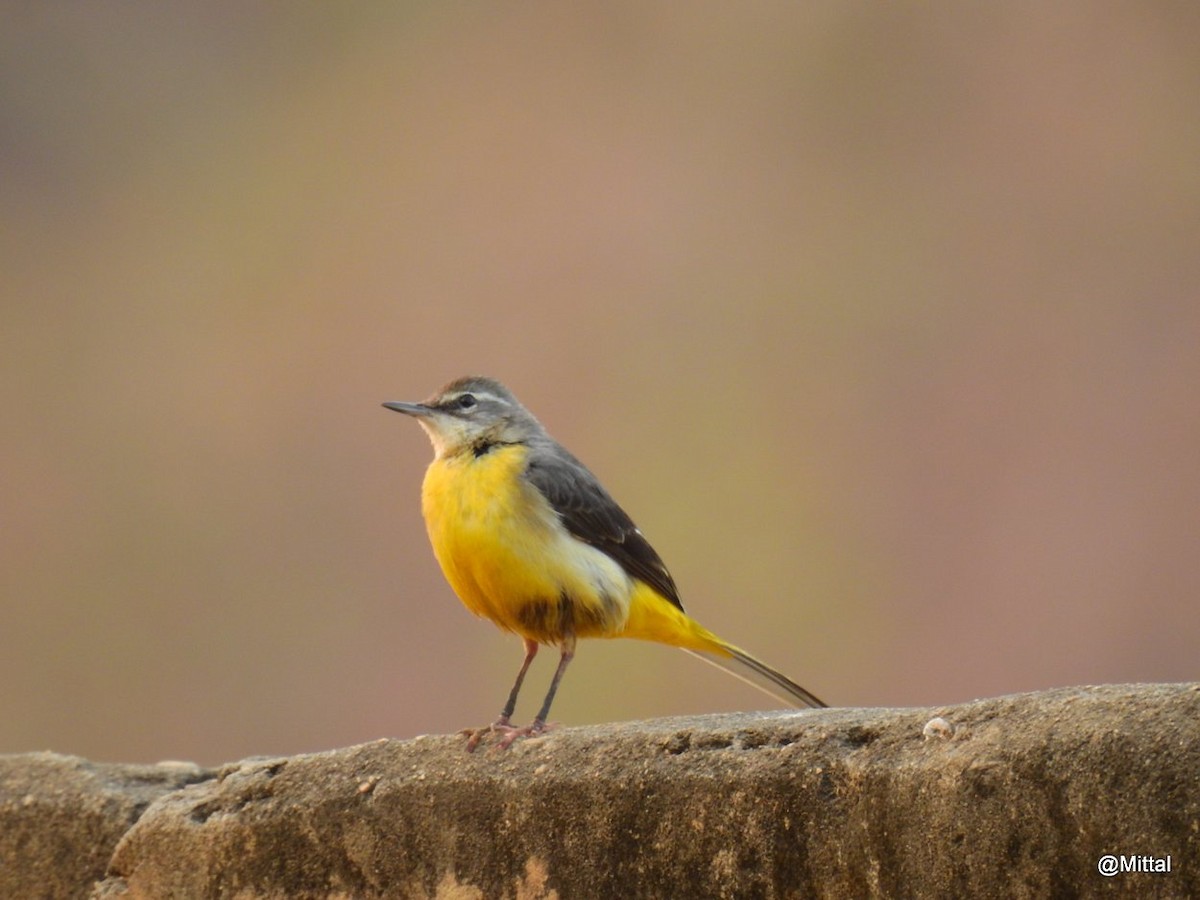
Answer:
(420, 410)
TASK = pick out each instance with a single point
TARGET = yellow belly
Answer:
(510, 560)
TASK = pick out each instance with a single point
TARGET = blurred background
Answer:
(881, 321)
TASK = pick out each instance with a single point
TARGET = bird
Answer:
(530, 539)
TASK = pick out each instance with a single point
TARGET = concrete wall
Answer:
(1008, 797)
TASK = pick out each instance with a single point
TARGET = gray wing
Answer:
(591, 515)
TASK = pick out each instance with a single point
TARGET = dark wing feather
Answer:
(591, 515)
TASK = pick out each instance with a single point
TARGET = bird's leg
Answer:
(504, 723)
(531, 649)
(538, 725)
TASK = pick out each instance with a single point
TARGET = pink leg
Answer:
(504, 723)
(538, 725)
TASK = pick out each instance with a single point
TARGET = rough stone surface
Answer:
(1010, 797)
(61, 817)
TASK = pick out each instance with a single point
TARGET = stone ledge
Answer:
(62, 816)
(1013, 796)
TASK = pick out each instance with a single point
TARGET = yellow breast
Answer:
(509, 558)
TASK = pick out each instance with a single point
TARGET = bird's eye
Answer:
(466, 401)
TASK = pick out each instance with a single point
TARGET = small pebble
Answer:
(938, 728)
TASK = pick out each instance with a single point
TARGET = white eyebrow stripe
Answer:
(478, 395)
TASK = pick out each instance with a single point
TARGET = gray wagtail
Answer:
(530, 539)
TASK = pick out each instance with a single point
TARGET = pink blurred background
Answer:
(882, 322)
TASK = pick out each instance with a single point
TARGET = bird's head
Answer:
(470, 413)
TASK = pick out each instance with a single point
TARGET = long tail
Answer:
(651, 618)
(752, 671)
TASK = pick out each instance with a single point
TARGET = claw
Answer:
(475, 735)
(509, 733)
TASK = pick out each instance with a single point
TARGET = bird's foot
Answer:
(533, 729)
(508, 732)
(475, 735)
